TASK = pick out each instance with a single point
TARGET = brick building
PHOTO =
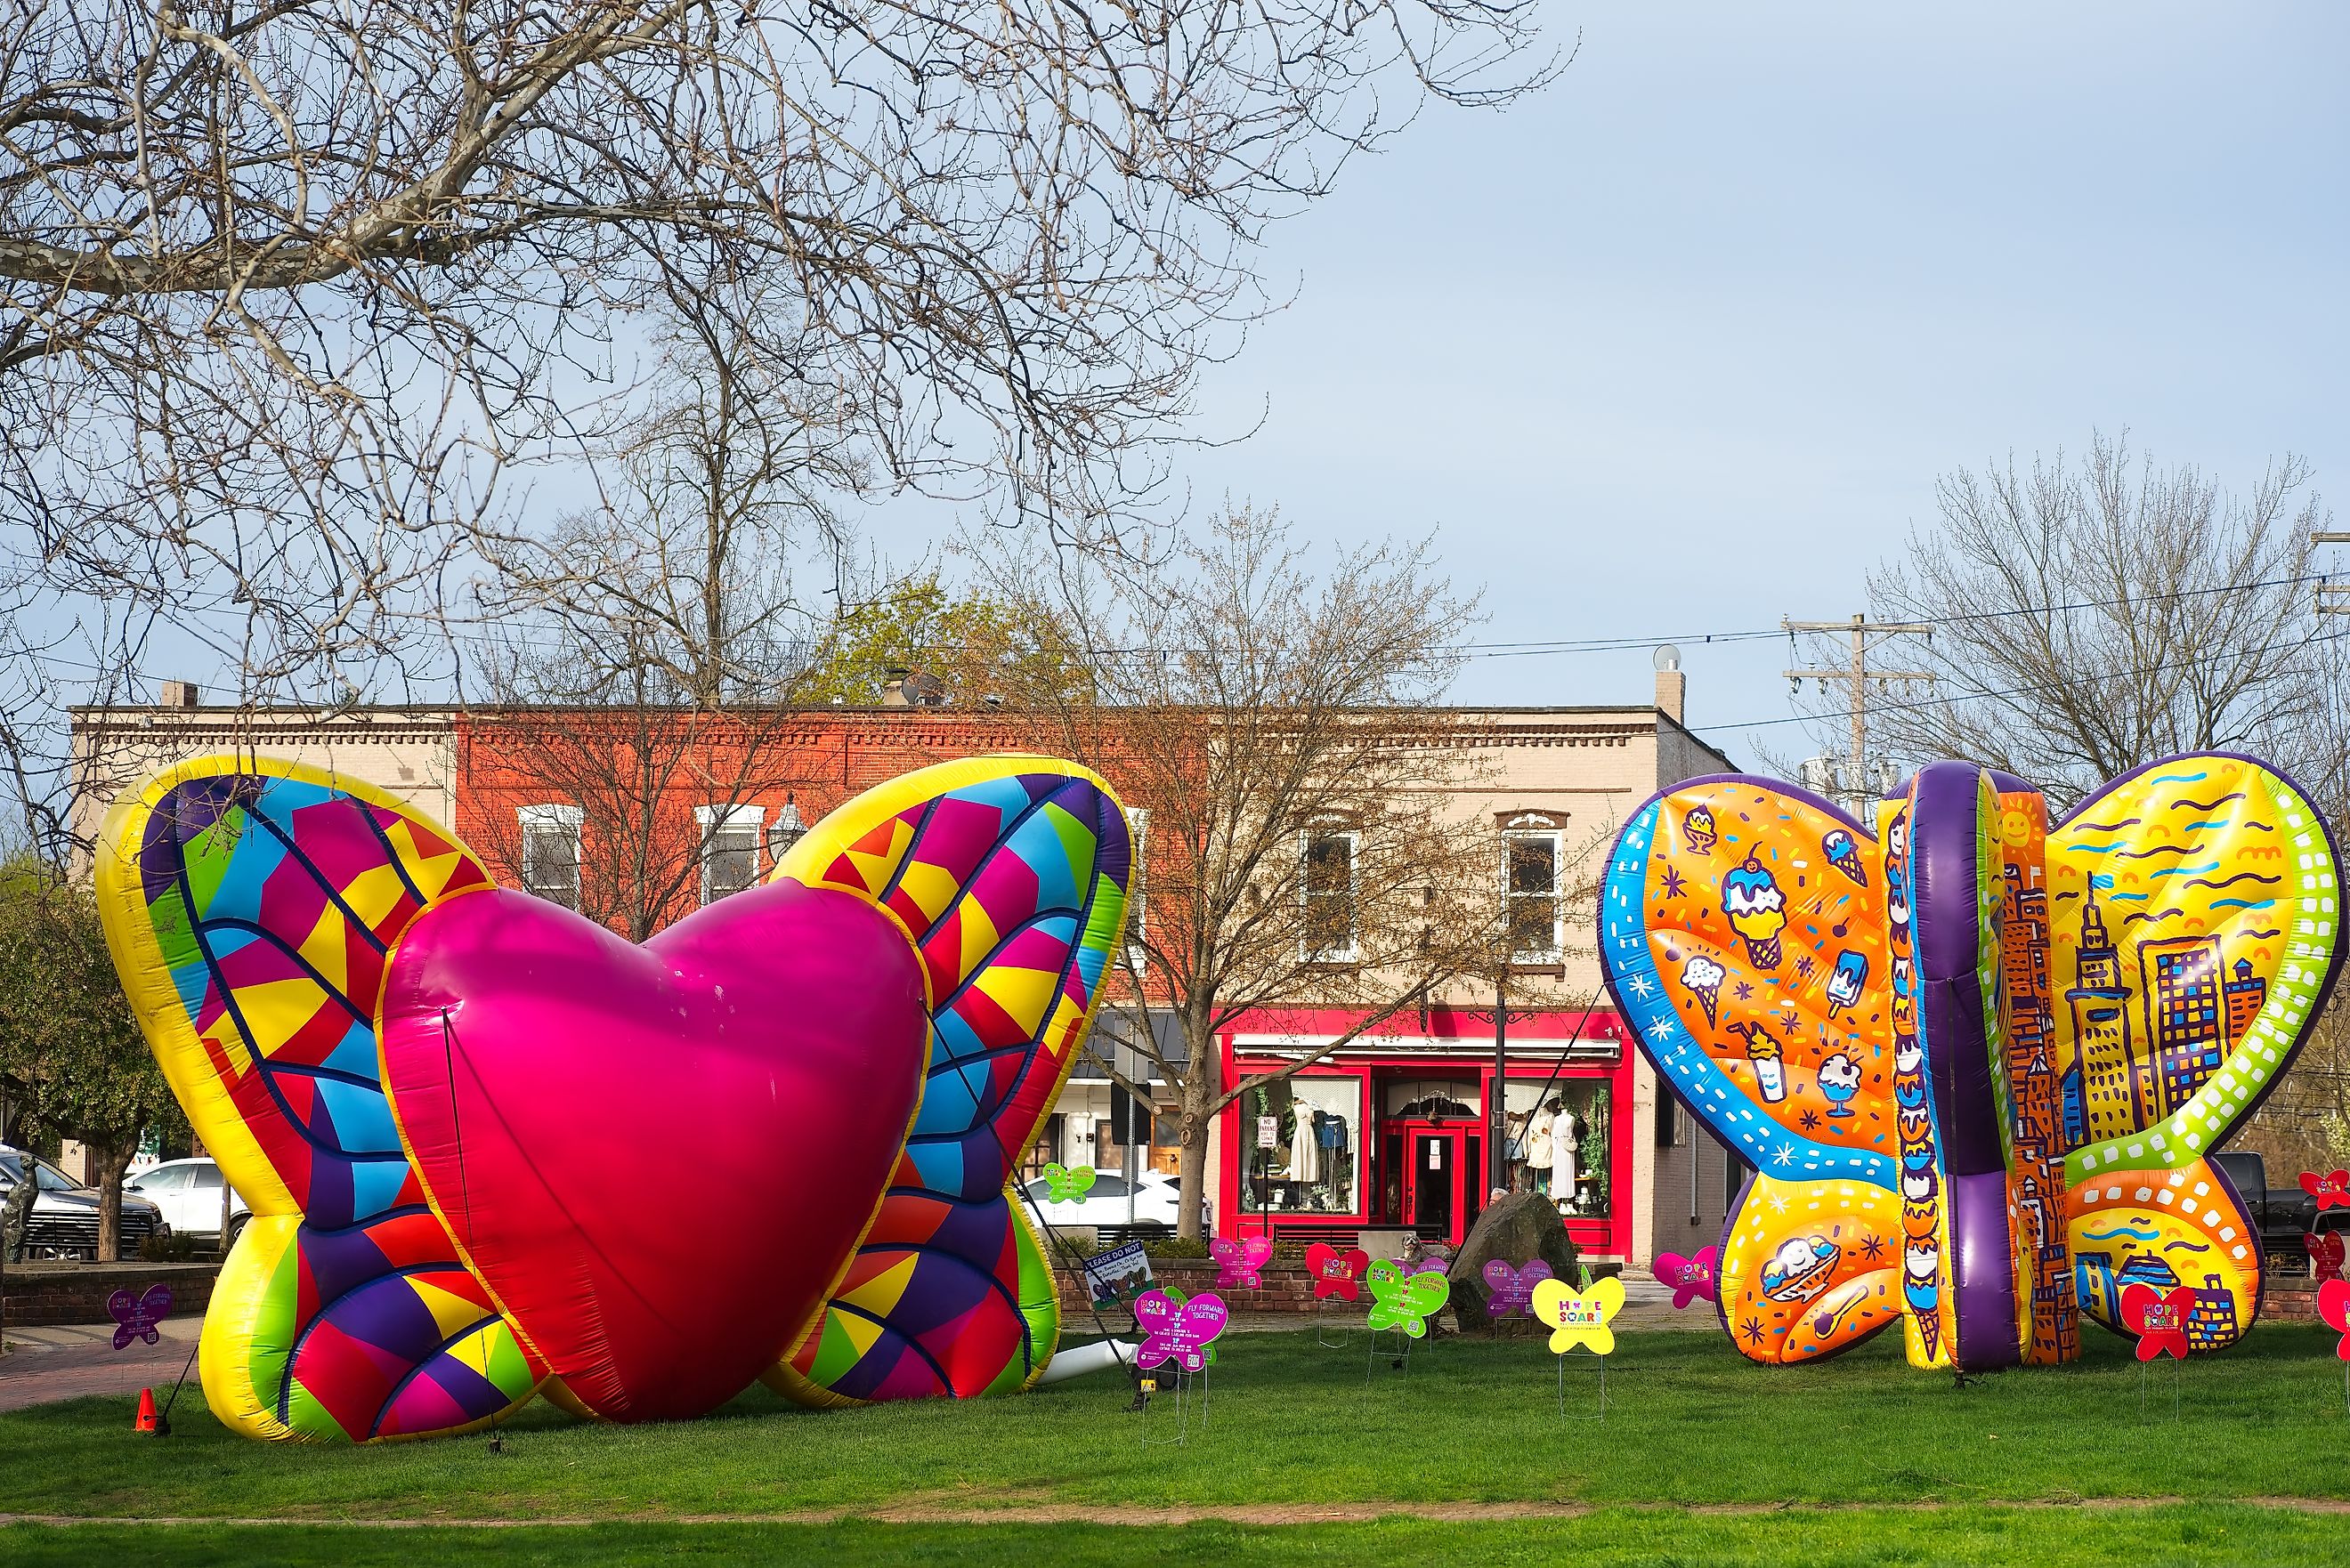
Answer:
(637, 820)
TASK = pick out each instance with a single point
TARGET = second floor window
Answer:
(1530, 875)
(1326, 884)
(550, 853)
(1138, 820)
(730, 848)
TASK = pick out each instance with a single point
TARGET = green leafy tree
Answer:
(72, 1061)
(972, 645)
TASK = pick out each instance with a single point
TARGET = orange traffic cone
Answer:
(147, 1421)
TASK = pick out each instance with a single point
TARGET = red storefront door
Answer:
(1430, 1177)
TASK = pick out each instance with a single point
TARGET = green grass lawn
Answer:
(2072, 1538)
(1690, 1423)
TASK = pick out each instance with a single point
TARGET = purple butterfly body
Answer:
(1692, 1279)
(1511, 1291)
(1179, 1334)
(136, 1317)
(1237, 1261)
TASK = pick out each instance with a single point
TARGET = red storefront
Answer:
(1390, 1131)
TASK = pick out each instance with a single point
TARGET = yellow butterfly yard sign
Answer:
(1581, 1320)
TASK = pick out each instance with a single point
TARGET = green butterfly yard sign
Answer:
(1063, 1185)
(1404, 1303)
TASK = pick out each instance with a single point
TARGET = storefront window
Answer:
(1433, 1100)
(1557, 1130)
(1316, 1164)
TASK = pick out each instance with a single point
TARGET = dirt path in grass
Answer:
(1251, 1514)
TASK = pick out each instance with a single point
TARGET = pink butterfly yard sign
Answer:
(2334, 1307)
(1239, 1260)
(1176, 1333)
(1510, 1291)
(1690, 1278)
(2331, 1188)
(139, 1317)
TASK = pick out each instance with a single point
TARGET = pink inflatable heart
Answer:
(668, 1151)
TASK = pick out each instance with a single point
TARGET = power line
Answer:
(2013, 691)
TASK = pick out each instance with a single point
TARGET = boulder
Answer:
(1517, 1229)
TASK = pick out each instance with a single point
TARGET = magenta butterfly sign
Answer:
(1180, 1331)
(1692, 1279)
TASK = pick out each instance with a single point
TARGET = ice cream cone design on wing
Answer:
(1697, 829)
(1701, 977)
(1762, 1051)
(1845, 855)
(1757, 910)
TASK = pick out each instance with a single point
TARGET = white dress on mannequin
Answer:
(1538, 1140)
(1562, 1155)
(1305, 1151)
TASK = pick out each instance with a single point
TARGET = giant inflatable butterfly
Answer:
(493, 1150)
(1979, 1065)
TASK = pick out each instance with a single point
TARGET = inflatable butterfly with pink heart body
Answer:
(454, 1108)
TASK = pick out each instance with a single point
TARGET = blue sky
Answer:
(1681, 344)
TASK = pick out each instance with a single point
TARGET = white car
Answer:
(188, 1191)
(1156, 1201)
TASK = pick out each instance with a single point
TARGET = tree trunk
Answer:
(1191, 1167)
(109, 1162)
(1204, 1080)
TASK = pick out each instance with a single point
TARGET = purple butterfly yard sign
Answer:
(1510, 1291)
(1179, 1334)
(1692, 1279)
(137, 1317)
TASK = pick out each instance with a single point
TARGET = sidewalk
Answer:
(46, 1365)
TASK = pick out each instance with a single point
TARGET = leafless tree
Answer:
(289, 291)
(2092, 617)
(639, 660)
(1302, 840)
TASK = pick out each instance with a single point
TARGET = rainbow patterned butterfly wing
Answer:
(250, 905)
(1753, 1008)
(2196, 931)
(1010, 876)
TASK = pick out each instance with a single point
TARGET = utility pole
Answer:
(1864, 634)
(2333, 598)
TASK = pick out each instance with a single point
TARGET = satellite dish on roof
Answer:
(1667, 657)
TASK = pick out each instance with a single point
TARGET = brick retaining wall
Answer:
(39, 1294)
(1288, 1287)
(2289, 1301)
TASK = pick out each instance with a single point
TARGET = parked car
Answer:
(1104, 1203)
(2284, 1215)
(189, 1193)
(64, 1221)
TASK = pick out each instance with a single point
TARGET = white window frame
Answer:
(714, 820)
(1525, 828)
(1353, 951)
(1137, 889)
(549, 817)
(789, 828)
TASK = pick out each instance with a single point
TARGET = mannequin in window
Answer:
(1305, 1149)
(1539, 1145)
(1563, 1154)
